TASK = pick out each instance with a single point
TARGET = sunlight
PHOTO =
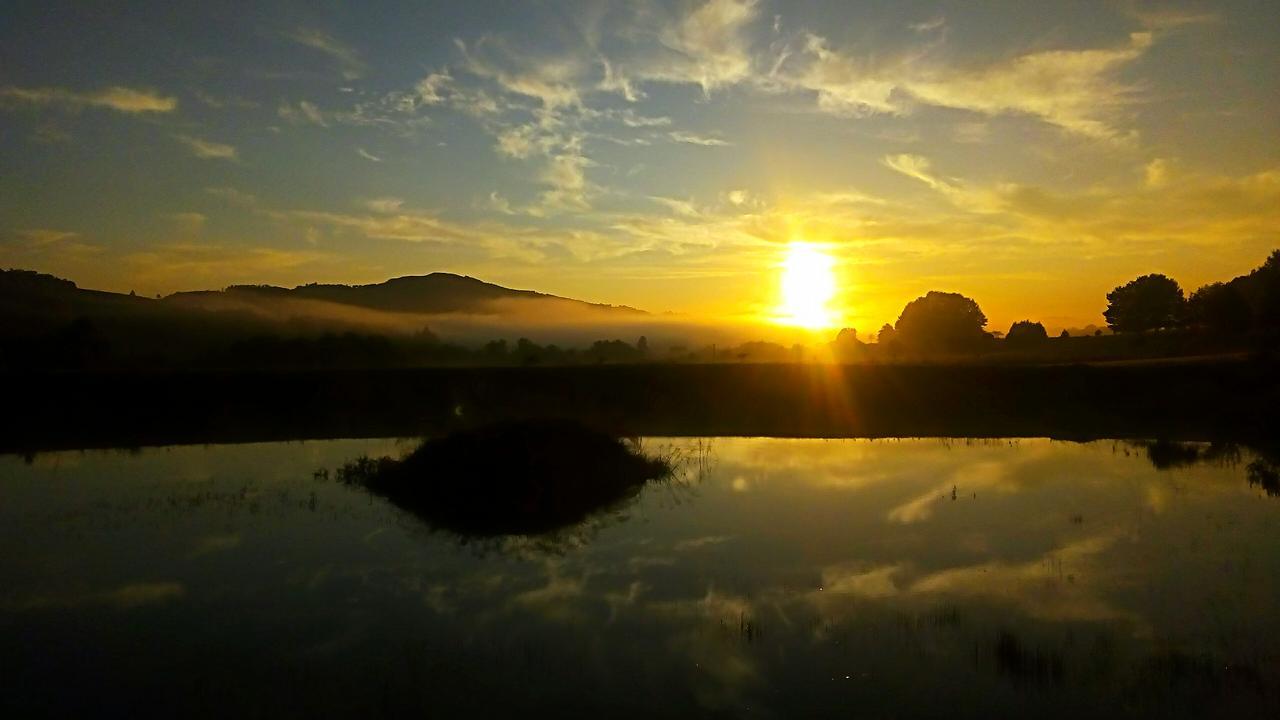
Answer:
(808, 287)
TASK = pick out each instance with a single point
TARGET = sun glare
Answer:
(808, 287)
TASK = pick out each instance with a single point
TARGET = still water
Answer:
(769, 578)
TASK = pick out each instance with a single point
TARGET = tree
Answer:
(1220, 307)
(642, 345)
(1266, 279)
(1151, 302)
(886, 335)
(1025, 332)
(495, 349)
(848, 336)
(847, 346)
(942, 321)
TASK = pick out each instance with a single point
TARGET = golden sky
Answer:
(655, 154)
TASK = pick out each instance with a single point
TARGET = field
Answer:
(1217, 399)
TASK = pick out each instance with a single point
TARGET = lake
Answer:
(765, 578)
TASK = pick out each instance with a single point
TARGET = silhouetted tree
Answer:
(528, 352)
(612, 351)
(1150, 302)
(886, 335)
(847, 346)
(848, 336)
(495, 350)
(1025, 332)
(1266, 281)
(942, 321)
(1220, 307)
(1064, 334)
(642, 346)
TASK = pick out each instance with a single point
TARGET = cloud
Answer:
(124, 597)
(919, 168)
(710, 46)
(615, 81)
(384, 205)
(1169, 18)
(690, 138)
(519, 142)
(845, 85)
(498, 203)
(1067, 88)
(117, 98)
(1156, 173)
(368, 155)
(565, 173)
(929, 25)
(188, 222)
(913, 166)
(1071, 89)
(233, 196)
(45, 236)
(430, 87)
(45, 247)
(303, 113)
(208, 150)
(679, 207)
(550, 81)
(191, 265)
(348, 59)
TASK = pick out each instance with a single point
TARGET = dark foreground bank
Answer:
(1219, 400)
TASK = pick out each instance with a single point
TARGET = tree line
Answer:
(944, 322)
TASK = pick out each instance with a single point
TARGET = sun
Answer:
(808, 287)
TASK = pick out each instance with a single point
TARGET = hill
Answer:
(433, 294)
(50, 322)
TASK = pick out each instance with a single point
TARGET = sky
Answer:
(1031, 155)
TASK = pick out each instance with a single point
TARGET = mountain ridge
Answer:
(433, 293)
(430, 294)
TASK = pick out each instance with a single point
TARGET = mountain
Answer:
(49, 322)
(434, 294)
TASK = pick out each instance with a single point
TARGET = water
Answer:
(769, 578)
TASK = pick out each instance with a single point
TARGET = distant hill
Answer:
(30, 293)
(26, 293)
(49, 322)
(437, 293)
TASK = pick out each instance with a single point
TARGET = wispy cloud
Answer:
(302, 113)
(933, 23)
(44, 247)
(677, 206)
(691, 138)
(190, 222)
(207, 149)
(349, 61)
(368, 155)
(1072, 89)
(384, 205)
(45, 236)
(117, 98)
(233, 196)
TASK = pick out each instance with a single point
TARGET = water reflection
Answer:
(543, 478)
(804, 578)
(1263, 469)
